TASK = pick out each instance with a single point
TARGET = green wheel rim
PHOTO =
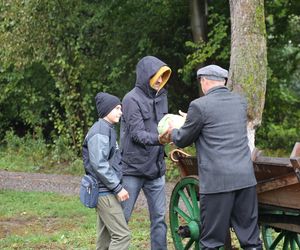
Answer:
(185, 213)
(276, 239)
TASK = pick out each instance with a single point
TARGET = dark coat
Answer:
(217, 123)
(142, 154)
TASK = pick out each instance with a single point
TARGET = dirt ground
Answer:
(62, 184)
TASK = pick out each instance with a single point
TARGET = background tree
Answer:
(210, 47)
(198, 10)
(50, 34)
(198, 15)
(86, 47)
(248, 60)
(56, 55)
(280, 129)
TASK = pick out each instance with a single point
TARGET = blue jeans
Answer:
(154, 191)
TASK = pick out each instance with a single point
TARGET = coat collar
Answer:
(217, 89)
(107, 123)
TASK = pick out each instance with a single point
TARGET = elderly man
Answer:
(217, 123)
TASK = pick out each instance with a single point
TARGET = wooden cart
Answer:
(278, 191)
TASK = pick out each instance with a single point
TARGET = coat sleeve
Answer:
(98, 146)
(191, 129)
(134, 118)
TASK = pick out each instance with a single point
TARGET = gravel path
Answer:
(63, 184)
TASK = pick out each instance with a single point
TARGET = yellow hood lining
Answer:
(165, 73)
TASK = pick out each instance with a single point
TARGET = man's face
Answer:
(157, 84)
(203, 85)
(207, 84)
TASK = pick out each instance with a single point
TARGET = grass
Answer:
(49, 221)
(17, 162)
(34, 220)
(32, 154)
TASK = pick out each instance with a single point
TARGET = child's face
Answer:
(114, 115)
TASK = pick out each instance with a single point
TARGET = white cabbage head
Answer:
(163, 124)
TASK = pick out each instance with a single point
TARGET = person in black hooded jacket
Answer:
(141, 150)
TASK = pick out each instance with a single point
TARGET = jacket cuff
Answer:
(155, 140)
(117, 189)
(174, 135)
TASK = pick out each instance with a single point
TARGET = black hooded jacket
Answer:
(143, 107)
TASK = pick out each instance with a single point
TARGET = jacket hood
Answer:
(146, 68)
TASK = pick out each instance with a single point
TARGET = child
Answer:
(102, 160)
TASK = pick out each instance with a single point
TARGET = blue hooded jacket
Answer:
(101, 157)
(143, 107)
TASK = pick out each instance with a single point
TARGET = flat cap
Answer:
(213, 72)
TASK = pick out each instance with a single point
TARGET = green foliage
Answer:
(24, 103)
(56, 55)
(172, 171)
(37, 37)
(216, 48)
(278, 136)
(31, 147)
(60, 151)
(281, 116)
(83, 47)
(32, 154)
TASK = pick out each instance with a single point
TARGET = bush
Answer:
(277, 138)
(61, 151)
(32, 154)
(30, 146)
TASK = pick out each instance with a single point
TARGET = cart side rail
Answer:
(187, 164)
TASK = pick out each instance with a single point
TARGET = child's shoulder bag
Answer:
(89, 191)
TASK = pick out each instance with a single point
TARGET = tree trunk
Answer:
(198, 11)
(248, 61)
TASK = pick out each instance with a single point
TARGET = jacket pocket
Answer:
(139, 157)
(161, 110)
(146, 115)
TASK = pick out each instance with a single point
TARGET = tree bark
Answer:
(198, 10)
(198, 17)
(248, 61)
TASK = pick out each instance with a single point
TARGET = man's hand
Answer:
(123, 195)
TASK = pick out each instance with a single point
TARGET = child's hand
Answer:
(122, 195)
(164, 138)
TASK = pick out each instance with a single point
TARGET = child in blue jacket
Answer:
(102, 160)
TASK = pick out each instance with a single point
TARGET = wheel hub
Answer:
(189, 231)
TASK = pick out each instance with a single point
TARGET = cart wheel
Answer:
(280, 239)
(185, 214)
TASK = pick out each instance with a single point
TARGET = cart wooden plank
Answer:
(277, 183)
(288, 197)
